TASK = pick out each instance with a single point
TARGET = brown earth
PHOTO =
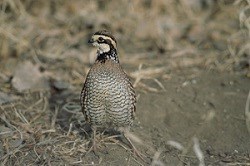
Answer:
(206, 105)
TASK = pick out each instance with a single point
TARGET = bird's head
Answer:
(103, 40)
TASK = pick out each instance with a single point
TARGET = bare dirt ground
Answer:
(188, 61)
(210, 107)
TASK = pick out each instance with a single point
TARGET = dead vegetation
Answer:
(47, 40)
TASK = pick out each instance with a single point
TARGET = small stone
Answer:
(61, 85)
(6, 98)
(28, 76)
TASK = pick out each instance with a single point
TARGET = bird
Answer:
(108, 97)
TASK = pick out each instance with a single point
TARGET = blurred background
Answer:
(44, 59)
(203, 33)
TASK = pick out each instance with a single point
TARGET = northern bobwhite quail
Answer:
(107, 96)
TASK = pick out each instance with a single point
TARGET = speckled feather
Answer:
(107, 96)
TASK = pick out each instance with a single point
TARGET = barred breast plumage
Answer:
(107, 96)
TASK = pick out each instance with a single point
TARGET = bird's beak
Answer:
(91, 41)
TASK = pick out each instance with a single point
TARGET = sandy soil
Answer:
(209, 106)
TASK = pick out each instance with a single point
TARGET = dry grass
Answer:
(192, 32)
(171, 34)
(34, 135)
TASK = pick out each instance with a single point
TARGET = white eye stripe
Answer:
(105, 38)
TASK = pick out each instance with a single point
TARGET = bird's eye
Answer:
(100, 39)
